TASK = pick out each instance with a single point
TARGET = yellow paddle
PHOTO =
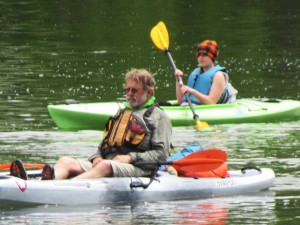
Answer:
(160, 37)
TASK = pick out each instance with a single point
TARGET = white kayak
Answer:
(164, 187)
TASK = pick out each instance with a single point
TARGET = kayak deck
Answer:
(165, 187)
(93, 116)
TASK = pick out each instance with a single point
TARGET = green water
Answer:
(57, 50)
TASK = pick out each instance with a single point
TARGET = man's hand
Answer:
(184, 89)
(123, 158)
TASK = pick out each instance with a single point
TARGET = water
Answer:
(80, 50)
(217, 211)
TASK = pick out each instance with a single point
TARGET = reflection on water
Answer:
(253, 208)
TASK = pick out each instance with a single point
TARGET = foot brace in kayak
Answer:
(48, 172)
(17, 169)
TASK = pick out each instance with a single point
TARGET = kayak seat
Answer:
(220, 172)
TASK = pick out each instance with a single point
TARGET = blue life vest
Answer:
(202, 82)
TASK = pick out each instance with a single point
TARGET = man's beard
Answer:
(137, 102)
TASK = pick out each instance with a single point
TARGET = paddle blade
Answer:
(160, 36)
(6, 166)
(34, 165)
(197, 169)
(216, 170)
(213, 153)
(202, 161)
(201, 124)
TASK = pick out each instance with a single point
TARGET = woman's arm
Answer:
(179, 93)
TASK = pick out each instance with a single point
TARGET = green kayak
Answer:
(93, 116)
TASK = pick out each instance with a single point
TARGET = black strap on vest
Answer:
(149, 111)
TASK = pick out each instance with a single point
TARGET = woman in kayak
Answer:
(207, 84)
(141, 132)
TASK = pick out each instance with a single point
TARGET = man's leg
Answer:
(102, 169)
(67, 166)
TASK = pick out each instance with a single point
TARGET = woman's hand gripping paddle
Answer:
(160, 37)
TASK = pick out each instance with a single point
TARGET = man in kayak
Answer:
(207, 84)
(141, 132)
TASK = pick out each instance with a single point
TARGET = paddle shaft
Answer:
(185, 162)
(195, 115)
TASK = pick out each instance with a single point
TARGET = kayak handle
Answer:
(137, 184)
(243, 170)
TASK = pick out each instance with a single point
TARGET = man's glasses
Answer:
(133, 90)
